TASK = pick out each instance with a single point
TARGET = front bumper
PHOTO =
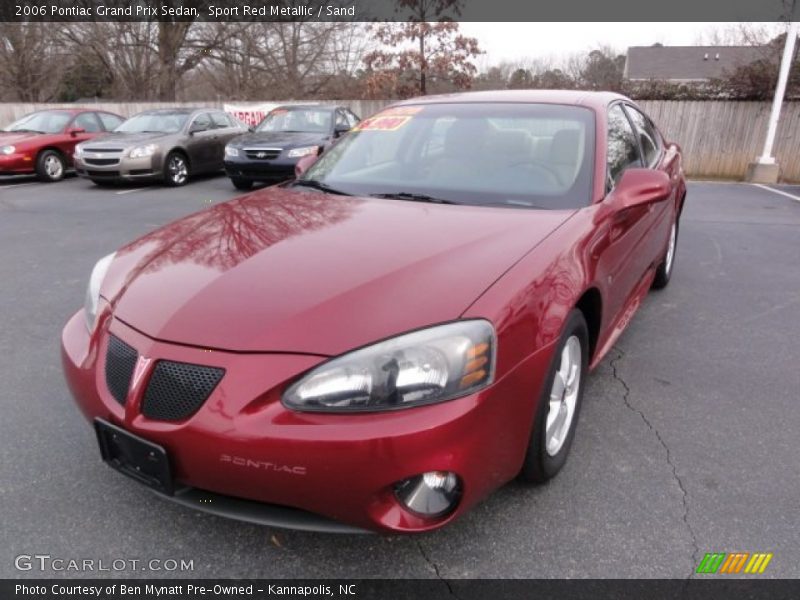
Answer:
(340, 467)
(16, 164)
(278, 169)
(120, 168)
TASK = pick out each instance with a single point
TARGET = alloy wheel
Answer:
(53, 167)
(563, 396)
(673, 236)
(178, 171)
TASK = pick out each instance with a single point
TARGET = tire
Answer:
(176, 169)
(546, 455)
(664, 270)
(50, 166)
(241, 184)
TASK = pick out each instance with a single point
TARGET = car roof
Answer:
(595, 100)
(313, 106)
(179, 110)
(72, 111)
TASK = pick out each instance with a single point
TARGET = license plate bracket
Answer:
(136, 457)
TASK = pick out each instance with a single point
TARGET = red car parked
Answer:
(43, 142)
(403, 329)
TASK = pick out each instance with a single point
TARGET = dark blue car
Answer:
(287, 134)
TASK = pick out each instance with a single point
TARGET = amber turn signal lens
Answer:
(475, 364)
(472, 378)
(477, 350)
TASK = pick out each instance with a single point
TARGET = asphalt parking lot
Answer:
(688, 440)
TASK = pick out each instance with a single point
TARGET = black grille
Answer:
(120, 362)
(98, 150)
(177, 390)
(101, 162)
(262, 154)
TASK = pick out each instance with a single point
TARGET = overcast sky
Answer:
(513, 41)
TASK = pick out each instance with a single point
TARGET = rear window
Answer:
(110, 121)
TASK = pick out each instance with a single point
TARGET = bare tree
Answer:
(148, 60)
(740, 34)
(603, 70)
(298, 59)
(31, 61)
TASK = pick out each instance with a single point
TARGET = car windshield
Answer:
(48, 121)
(499, 154)
(161, 122)
(299, 120)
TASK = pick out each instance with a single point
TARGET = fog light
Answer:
(432, 494)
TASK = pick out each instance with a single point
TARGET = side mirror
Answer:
(639, 187)
(304, 164)
(196, 128)
(73, 131)
(340, 130)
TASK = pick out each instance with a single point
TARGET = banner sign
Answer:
(250, 113)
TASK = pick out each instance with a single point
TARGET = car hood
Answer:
(278, 139)
(124, 140)
(8, 138)
(307, 272)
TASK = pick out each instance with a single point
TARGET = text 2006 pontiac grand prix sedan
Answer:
(403, 329)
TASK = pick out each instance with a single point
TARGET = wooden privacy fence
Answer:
(719, 138)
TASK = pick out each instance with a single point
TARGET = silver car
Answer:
(168, 144)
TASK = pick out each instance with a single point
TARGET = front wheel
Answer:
(50, 166)
(241, 184)
(559, 404)
(176, 169)
(664, 270)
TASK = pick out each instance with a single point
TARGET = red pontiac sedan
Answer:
(381, 343)
(43, 142)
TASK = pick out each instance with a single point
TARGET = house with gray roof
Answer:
(688, 64)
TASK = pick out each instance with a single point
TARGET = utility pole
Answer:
(765, 169)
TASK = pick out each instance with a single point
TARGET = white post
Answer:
(766, 157)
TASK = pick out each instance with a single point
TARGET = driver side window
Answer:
(201, 123)
(623, 150)
(341, 121)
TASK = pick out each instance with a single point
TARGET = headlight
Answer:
(422, 367)
(298, 152)
(7, 150)
(78, 151)
(93, 290)
(231, 151)
(143, 151)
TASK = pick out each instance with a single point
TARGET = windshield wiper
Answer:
(318, 185)
(22, 131)
(413, 197)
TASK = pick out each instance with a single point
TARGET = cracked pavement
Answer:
(626, 398)
(687, 442)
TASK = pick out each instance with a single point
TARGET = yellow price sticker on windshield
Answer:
(382, 123)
